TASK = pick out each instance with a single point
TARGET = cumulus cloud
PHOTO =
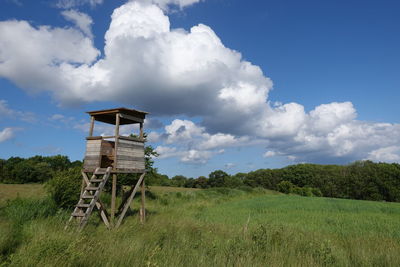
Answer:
(81, 20)
(36, 58)
(6, 134)
(167, 71)
(191, 143)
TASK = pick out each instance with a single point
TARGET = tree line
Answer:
(364, 180)
(37, 169)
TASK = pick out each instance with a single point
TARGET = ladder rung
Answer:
(96, 180)
(88, 196)
(91, 188)
(83, 205)
(78, 214)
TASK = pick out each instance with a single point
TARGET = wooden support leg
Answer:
(113, 197)
(142, 206)
(129, 200)
(103, 213)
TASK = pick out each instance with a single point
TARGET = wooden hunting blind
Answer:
(106, 155)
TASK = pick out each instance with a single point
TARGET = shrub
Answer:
(307, 192)
(285, 187)
(297, 190)
(64, 188)
(316, 192)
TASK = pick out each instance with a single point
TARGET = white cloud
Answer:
(386, 154)
(82, 21)
(165, 4)
(57, 117)
(269, 154)
(177, 72)
(6, 134)
(230, 165)
(167, 152)
(75, 3)
(196, 156)
(7, 112)
(191, 143)
(36, 58)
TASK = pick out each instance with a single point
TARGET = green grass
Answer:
(220, 227)
(11, 191)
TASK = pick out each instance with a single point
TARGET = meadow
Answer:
(211, 227)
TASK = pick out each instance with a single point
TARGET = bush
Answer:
(307, 192)
(316, 192)
(297, 190)
(64, 188)
(285, 187)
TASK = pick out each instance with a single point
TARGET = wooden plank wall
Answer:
(93, 154)
(130, 154)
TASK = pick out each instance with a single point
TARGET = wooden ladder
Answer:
(90, 197)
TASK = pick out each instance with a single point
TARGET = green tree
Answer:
(178, 180)
(201, 182)
(218, 178)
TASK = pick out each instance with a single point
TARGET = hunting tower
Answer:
(106, 155)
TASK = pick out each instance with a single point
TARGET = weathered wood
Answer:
(130, 115)
(93, 147)
(114, 182)
(119, 170)
(99, 205)
(93, 193)
(131, 164)
(103, 213)
(129, 200)
(132, 145)
(95, 202)
(87, 196)
(96, 180)
(130, 138)
(129, 158)
(94, 137)
(91, 126)
(142, 206)
(91, 188)
(141, 136)
(93, 141)
(132, 118)
(131, 153)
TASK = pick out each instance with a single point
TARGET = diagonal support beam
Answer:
(129, 200)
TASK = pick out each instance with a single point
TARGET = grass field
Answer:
(11, 191)
(219, 227)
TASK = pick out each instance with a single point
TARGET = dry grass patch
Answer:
(11, 191)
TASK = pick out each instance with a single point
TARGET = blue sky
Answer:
(233, 85)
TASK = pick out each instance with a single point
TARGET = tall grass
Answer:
(219, 227)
